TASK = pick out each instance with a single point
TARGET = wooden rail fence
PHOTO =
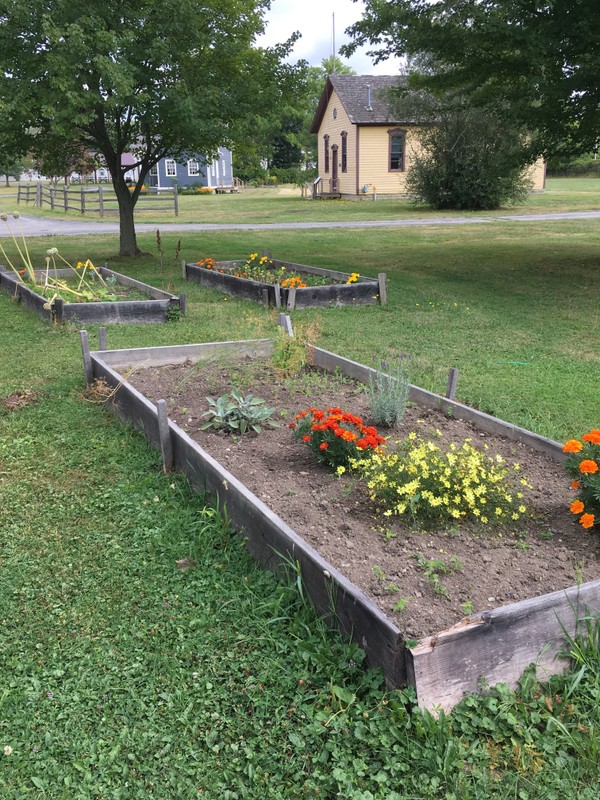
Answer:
(97, 199)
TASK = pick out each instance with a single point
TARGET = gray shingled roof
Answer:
(354, 92)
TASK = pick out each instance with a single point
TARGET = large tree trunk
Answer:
(126, 200)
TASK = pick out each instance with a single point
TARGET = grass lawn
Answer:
(122, 676)
(286, 204)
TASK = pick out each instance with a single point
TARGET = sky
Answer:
(314, 20)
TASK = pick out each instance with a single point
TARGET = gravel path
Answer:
(35, 226)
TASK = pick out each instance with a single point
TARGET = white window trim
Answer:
(168, 167)
(193, 171)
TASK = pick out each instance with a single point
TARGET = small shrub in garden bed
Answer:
(583, 465)
(388, 394)
(335, 437)
(235, 413)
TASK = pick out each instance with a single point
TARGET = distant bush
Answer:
(195, 188)
(583, 166)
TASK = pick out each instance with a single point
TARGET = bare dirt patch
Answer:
(19, 399)
(544, 551)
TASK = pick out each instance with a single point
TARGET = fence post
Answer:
(66, 199)
(176, 201)
(101, 201)
(82, 200)
(38, 195)
(52, 196)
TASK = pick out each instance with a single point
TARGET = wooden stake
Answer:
(102, 338)
(291, 303)
(165, 436)
(452, 381)
(286, 323)
(382, 279)
(87, 359)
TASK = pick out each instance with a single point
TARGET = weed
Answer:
(467, 607)
(434, 567)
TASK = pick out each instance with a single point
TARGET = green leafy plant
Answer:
(426, 483)
(388, 391)
(467, 607)
(583, 465)
(236, 413)
(335, 437)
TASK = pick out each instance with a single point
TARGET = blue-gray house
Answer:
(196, 171)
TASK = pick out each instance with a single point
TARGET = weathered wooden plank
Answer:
(151, 291)
(341, 294)
(120, 312)
(484, 422)
(181, 353)
(497, 646)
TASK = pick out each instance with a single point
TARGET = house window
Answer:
(193, 168)
(397, 141)
(326, 141)
(170, 168)
(344, 151)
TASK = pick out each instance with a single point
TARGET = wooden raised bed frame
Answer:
(483, 649)
(364, 290)
(154, 310)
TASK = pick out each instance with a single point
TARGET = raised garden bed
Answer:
(159, 306)
(491, 646)
(338, 292)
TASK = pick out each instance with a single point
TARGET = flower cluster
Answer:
(425, 482)
(583, 465)
(335, 437)
(353, 278)
(294, 282)
(261, 269)
(207, 263)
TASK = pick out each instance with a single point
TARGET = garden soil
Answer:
(544, 551)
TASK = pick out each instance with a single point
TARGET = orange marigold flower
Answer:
(306, 438)
(348, 436)
(575, 484)
(588, 466)
(323, 446)
(573, 446)
(593, 437)
(292, 425)
(362, 444)
(587, 520)
(576, 507)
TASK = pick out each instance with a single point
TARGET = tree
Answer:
(152, 77)
(10, 167)
(540, 58)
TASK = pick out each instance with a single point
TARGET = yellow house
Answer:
(363, 151)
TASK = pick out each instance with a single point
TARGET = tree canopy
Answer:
(541, 57)
(152, 77)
